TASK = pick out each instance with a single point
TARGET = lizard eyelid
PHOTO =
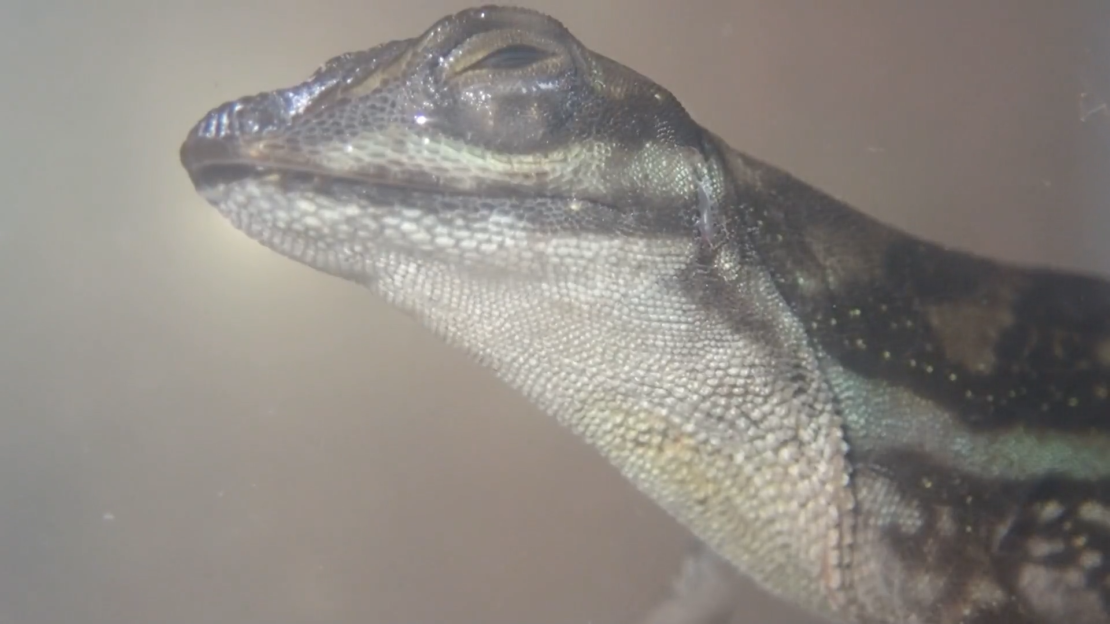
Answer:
(512, 56)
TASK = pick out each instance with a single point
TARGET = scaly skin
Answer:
(872, 427)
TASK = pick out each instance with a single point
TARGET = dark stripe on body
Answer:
(1000, 346)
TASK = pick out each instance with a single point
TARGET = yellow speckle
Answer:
(929, 368)
(860, 344)
(952, 377)
(854, 312)
(1073, 401)
(926, 482)
(886, 355)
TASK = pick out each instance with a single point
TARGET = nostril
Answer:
(259, 115)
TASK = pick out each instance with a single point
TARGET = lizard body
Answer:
(876, 428)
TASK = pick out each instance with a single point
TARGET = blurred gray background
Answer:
(193, 429)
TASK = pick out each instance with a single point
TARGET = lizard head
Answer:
(481, 143)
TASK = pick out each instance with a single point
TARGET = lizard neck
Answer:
(678, 360)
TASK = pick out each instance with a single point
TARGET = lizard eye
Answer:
(515, 56)
(508, 94)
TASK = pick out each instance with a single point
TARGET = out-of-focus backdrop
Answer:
(193, 429)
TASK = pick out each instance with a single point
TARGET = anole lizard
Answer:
(876, 428)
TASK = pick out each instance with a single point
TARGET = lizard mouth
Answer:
(342, 222)
(316, 181)
(213, 163)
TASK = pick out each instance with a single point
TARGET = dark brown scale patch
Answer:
(1024, 536)
(998, 345)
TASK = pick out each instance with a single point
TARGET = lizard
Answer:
(876, 428)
